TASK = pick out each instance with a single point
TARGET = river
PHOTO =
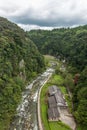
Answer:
(26, 117)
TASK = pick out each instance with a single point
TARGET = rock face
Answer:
(20, 61)
(22, 70)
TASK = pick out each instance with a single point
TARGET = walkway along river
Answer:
(26, 117)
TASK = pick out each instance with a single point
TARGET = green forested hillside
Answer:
(20, 61)
(69, 44)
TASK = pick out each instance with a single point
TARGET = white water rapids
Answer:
(26, 117)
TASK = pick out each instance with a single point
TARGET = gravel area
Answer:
(67, 118)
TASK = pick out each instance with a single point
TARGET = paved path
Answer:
(67, 118)
(39, 112)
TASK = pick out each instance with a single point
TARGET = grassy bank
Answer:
(49, 60)
(81, 127)
(57, 80)
(62, 78)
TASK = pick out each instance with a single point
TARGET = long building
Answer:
(56, 101)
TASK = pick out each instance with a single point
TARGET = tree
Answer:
(69, 82)
(81, 113)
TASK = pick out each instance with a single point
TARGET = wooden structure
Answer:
(56, 101)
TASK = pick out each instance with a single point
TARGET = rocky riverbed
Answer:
(26, 117)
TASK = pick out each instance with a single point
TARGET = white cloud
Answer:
(45, 13)
(34, 27)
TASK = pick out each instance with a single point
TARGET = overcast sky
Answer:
(46, 14)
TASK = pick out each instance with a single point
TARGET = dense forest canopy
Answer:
(69, 44)
(20, 61)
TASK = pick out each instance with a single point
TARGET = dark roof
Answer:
(52, 101)
(55, 100)
(53, 90)
(59, 99)
(53, 113)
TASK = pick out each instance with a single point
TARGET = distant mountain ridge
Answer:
(68, 43)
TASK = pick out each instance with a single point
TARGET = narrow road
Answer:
(39, 112)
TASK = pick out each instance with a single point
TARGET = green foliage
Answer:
(82, 94)
(69, 82)
(80, 99)
(49, 59)
(81, 113)
(81, 127)
(57, 80)
(58, 125)
(69, 44)
(20, 61)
